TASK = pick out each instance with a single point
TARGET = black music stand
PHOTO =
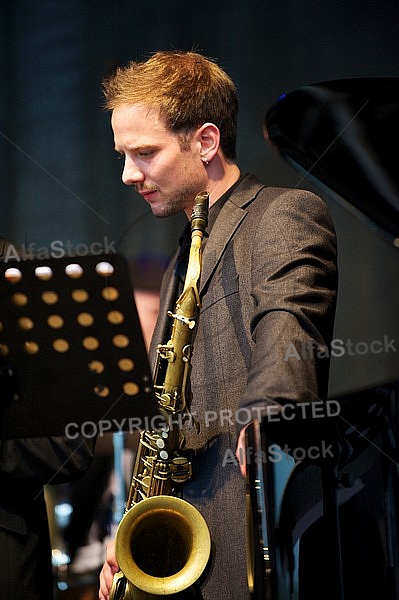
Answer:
(73, 359)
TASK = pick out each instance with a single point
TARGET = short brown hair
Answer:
(188, 88)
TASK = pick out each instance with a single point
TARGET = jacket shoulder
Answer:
(252, 191)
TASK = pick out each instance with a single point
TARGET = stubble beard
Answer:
(176, 205)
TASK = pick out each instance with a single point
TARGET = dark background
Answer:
(59, 178)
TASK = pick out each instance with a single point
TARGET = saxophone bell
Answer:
(162, 547)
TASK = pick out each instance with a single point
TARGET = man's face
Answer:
(166, 176)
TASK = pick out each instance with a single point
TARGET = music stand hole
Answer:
(55, 321)
(31, 347)
(3, 350)
(104, 268)
(80, 295)
(43, 273)
(120, 340)
(126, 364)
(101, 390)
(61, 345)
(20, 299)
(13, 275)
(74, 271)
(90, 343)
(85, 319)
(110, 293)
(25, 323)
(130, 388)
(96, 366)
(50, 297)
(115, 317)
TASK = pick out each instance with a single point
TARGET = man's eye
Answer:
(145, 153)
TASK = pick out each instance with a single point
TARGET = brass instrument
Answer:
(162, 543)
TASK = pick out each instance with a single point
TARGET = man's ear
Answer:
(208, 136)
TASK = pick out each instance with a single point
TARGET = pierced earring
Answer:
(205, 161)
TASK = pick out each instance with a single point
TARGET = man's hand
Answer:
(241, 452)
(108, 571)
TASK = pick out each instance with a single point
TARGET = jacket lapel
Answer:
(229, 219)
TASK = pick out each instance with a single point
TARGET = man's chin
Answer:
(165, 210)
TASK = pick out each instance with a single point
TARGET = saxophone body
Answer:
(163, 543)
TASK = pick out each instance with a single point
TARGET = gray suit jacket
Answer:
(268, 291)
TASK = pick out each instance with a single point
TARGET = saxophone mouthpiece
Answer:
(199, 216)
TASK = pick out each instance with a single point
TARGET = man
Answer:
(268, 282)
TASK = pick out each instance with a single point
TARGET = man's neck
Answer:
(221, 176)
(218, 187)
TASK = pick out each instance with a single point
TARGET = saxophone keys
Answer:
(180, 469)
(183, 319)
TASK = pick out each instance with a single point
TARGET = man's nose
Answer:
(131, 173)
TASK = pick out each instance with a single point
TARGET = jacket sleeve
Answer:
(293, 287)
(46, 459)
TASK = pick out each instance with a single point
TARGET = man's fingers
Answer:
(108, 571)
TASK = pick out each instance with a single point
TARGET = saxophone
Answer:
(162, 543)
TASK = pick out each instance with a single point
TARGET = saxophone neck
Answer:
(199, 216)
(199, 223)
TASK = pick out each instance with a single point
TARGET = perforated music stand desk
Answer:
(72, 351)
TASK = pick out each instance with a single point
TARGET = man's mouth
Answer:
(148, 193)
